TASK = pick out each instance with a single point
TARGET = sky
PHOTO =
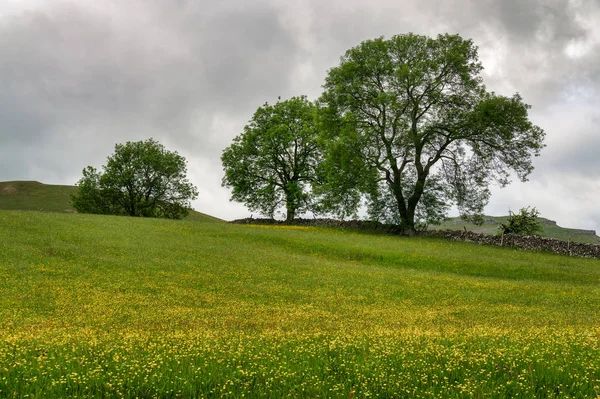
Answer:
(79, 76)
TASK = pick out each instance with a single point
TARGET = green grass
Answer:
(98, 306)
(36, 196)
(202, 217)
(550, 229)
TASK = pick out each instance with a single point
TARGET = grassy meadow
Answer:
(101, 306)
(36, 196)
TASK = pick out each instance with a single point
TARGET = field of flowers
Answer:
(97, 306)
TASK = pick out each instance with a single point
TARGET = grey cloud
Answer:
(526, 38)
(79, 76)
(538, 34)
(533, 20)
(74, 77)
(578, 155)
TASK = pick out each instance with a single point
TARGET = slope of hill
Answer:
(36, 196)
(103, 306)
(551, 229)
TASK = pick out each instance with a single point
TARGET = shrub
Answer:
(524, 223)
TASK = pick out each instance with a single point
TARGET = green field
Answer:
(36, 196)
(101, 306)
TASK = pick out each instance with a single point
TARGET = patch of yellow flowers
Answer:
(484, 363)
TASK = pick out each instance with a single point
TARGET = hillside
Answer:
(551, 229)
(103, 306)
(36, 196)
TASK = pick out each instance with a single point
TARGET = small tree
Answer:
(274, 162)
(140, 179)
(524, 223)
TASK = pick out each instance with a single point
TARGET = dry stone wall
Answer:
(351, 224)
(533, 243)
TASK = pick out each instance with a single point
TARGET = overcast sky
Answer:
(78, 76)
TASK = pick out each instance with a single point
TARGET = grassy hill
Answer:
(102, 306)
(551, 229)
(36, 196)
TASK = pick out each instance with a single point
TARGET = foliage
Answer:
(524, 223)
(275, 161)
(411, 127)
(96, 306)
(140, 179)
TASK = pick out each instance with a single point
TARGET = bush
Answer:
(524, 223)
(140, 179)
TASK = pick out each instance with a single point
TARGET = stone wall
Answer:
(350, 224)
(533, 243)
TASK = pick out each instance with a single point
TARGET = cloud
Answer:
(79, 76)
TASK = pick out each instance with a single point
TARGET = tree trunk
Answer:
(131, 207)
(408, 209)
(290, 206)
(290, 215)
(407, 219)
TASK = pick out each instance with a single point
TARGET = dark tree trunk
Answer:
(291, 214)
(407, 209)
(407, 216)
(408, 223)
(132, 207)
(290, 207)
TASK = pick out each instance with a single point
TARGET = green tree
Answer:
(274, 162)
(140, 179)
(411, 127)
(524, 223)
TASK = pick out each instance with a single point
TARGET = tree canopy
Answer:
(412, 128)
(140, 179)
(273, 163)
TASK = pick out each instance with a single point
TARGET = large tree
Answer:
(273, 163)
(411, 126)
(140, 179)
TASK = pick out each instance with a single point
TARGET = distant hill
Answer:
(36, 196)
(551, 229)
